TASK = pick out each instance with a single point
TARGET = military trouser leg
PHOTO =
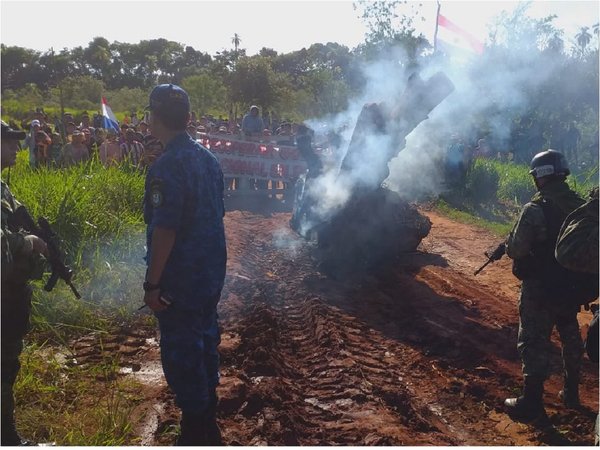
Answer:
(572, 353)
(535, 328)
(11, 349)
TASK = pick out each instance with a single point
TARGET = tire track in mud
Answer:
(350, 386)
(405, 357)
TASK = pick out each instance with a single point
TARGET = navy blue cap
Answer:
(168, 96)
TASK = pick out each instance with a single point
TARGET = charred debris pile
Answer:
(374, 224)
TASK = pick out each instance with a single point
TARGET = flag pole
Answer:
(437, 17)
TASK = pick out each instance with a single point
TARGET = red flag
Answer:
(450, 34)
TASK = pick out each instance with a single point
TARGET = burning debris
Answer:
(359, 223)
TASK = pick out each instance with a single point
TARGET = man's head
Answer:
(77, 137)
(35, 125)
(143, 126)
(169, 108)
(111, 134)
(254, 110)
(547, 166)
(56, 138)
(130, 135)
(10, 144)
(70, 128)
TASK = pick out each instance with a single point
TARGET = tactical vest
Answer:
(559, 284)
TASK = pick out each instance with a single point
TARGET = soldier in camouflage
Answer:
(539, 313)
(22, 261)
(186, 257)
(577, 249)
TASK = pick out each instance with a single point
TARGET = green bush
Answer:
(515, 184)
(482, 181)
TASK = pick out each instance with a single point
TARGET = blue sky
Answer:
(209, 25)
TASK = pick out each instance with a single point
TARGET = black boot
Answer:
(10, 437)
(213, 432)
(530, 405)
(192, 430)
(570, 393)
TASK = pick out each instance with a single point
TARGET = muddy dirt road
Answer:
(422, 353)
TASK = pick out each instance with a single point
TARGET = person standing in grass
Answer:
(75, 152)
(22, 261)
(110, 151)
(186, 258)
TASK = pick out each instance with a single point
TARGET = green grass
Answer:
(495, 191)
(71, 404)
(500, 229)
(97, 212)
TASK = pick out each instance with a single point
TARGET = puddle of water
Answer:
(150, 424)
(150, 373)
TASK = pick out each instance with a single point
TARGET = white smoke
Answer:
(492, 89)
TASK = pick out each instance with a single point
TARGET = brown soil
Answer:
(421, 353)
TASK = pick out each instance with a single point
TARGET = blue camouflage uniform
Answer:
(184, 193)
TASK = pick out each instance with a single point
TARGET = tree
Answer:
(254, 81)
(583, 39)
(206, 92)
(18, 65)
(235, 40)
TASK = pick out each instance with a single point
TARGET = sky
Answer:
(209, 26)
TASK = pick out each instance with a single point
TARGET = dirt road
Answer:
(422, 353)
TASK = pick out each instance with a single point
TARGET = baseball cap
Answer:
(9, 133)
(169, 97)
(35, 122)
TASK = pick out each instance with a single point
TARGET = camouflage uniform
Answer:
(577, 244)
(19, 264)
(577, 249)
(184, 193)
(538, 315)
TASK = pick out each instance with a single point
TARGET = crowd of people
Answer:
(73, 140)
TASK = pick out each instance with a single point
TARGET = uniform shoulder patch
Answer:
(156, 193)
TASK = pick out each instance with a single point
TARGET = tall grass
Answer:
(97, 212)
(495, 191)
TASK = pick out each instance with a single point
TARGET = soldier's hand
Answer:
(151, 298)
(38, 244)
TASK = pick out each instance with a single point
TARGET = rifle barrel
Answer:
(482, 267)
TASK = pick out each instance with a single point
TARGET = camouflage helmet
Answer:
(549, 162)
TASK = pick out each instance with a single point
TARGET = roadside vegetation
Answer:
(97, 213)
(495, 191)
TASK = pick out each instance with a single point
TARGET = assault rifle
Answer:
(494, 256)
(22, 219)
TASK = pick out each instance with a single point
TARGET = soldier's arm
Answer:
(529, 229)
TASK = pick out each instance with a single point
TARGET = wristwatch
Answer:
(150, 287)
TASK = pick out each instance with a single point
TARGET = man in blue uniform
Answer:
(186, 258)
